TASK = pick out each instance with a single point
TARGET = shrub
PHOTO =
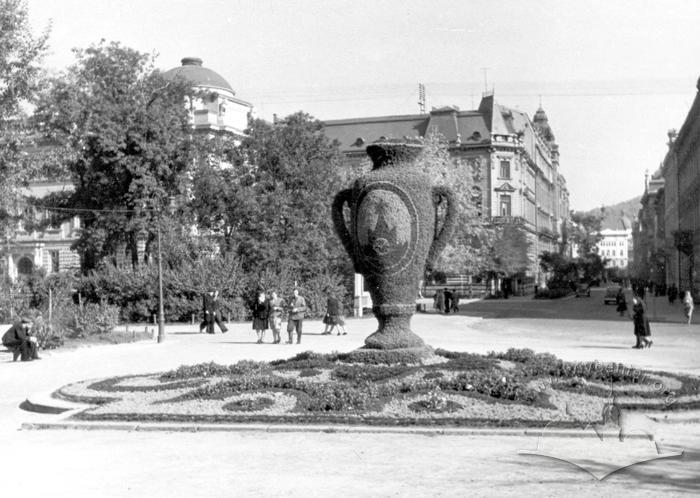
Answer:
(90, 319)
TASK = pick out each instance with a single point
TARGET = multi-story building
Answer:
(649, 232)
(218, 110)
(514, 162)
(616, 244)
(668, 235)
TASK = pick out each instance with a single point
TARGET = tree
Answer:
(510, 251)
(125, 137)
(585, 231)
(20, 56)
(273, 207)
(469, 250)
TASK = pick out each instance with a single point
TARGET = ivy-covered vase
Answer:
(392, 233)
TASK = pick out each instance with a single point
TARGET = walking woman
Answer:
(688, 306)
(261, 313)
(621, 302)
(642, 331)
(276, 308)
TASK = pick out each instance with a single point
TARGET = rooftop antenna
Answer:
(421, 97)
(486, 86)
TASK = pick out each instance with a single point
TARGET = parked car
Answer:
(611, 295)
(583, 290)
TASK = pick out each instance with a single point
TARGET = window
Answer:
(505, 169)
(505, 205)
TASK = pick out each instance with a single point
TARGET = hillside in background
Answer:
(613, 213)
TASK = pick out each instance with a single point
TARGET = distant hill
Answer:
(628, 209)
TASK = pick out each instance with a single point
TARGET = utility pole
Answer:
(421, 97)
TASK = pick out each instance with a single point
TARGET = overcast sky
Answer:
(613, 76)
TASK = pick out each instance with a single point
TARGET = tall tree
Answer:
(510, 251)
(21, 53)
(585, 231)
(126, 140)
(273, 206)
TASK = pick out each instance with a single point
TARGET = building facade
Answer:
(513, 159)
(668, 233)
(615, 246)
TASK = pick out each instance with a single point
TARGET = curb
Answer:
(328, 429)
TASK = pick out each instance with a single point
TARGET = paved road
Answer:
(114, 463)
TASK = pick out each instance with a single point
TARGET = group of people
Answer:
(268, 313)
(446, 300)
(20, 340)
(642, 330)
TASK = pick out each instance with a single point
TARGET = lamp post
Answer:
(161, 314)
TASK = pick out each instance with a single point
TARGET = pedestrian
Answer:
(297, 308)
(207, 318)
(20, 341)
(455, 301)
(448, 300)
(276, 307)
(642, 331)
(261, 315)
(212, 315)
(621, 302)
(440, 301)
(688, 306)
(334, 316)
(672, 293)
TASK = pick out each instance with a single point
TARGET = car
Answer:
(611, 295)
(583, 290)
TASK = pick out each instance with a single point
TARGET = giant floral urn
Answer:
(392, 233)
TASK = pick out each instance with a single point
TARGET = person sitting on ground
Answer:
(20, 341)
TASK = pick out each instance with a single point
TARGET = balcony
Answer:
(508, 220)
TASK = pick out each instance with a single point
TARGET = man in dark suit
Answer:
(20, 341)
(212, 315)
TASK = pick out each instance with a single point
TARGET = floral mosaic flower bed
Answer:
(516, 388)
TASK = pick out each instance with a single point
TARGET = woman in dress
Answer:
(334, 316)
(688, 306)
(261, 313)
(276, 305)
(641, 324)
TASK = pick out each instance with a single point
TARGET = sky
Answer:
(612, 76)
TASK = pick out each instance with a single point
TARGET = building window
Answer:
(505, 169)
(505, 205)
(55, 266)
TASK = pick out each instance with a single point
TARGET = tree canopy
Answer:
(272, 208)
(125, 138)
(21, 53)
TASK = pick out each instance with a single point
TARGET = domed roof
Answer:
(193, 71)
(541, 122)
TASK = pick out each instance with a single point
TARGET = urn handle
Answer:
(341, 198)
(442, 194)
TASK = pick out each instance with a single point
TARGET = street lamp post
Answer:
(161, 317)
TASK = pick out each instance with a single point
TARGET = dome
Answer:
(541, 123)
(193, 71)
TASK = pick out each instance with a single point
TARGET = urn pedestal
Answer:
(392, 233)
